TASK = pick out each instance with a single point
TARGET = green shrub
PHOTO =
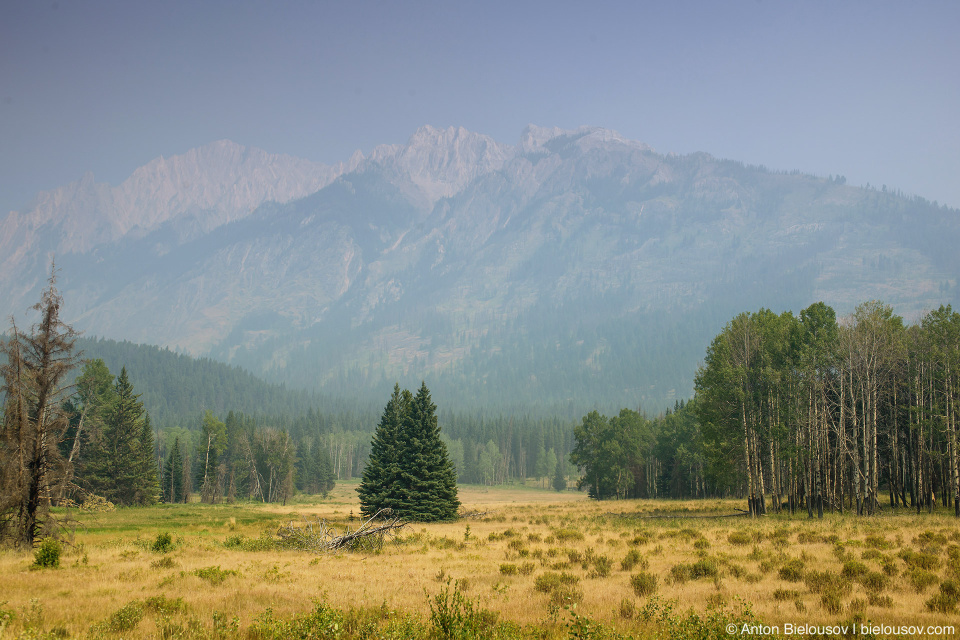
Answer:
(632, 559)
(921, 579)
(919, 560)
(831, 602)
(874, 581)
(163, 543)
(47, 554)
(945, 601)
(680, 573)
(166, 562)
(644, 584)
(643, 537)
(550, 581)
(453, 615)
(853, 569)
(792, 571)
(824, 581)
(508, 569)
(263, 543)
(215, 575)
(785, 594)
(165, 606)
(567, 535)
(877, 542)
(877, 600)
(601, 567)
(126, 618)
(561, 587)
(739, 538)
(517, 545)
(704, 568)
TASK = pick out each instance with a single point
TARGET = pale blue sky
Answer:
(870, 90)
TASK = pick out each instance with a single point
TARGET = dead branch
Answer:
(473, 515)
(317, 536)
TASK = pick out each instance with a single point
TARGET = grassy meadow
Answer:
(537, 564)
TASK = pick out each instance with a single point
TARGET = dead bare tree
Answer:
(34, 419)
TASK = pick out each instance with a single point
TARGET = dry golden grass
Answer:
(791, 569)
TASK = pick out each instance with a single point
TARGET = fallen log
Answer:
(317, 536)
(473, 515)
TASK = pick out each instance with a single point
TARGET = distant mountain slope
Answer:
(176, 388)
(574, 268)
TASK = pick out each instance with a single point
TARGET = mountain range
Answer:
(573, 269)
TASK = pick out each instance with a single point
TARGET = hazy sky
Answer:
(870, 90)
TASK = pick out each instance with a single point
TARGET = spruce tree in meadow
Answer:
(122, 468)
(409, 469)
(380, 486)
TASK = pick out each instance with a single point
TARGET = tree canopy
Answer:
(409, 469)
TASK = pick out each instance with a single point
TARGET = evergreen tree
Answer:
(409, 469)
(559, 479)
(380, 486)
(148, 484)
(122, 468)
(326, 479)
(173, 475)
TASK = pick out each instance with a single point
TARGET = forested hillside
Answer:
(176, 389)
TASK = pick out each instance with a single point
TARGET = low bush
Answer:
(567, 535)
(739, 538)
(641, 538)
(874, 581)
(919, 560)
(550, 581)
(602, 566)
(877, 600)
(47, 554)
(921, 579)
(831, 602)
(825, 582)
(792, 570)
(853, 569)
(877, 542)
(163, 543)
(126, 618)
(244, 543)
(166, 562)
(644, 584)
(215, 575)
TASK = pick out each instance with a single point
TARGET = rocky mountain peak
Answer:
(440, 162)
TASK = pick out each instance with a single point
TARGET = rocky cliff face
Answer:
(575, 262)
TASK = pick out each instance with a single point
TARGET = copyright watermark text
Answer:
(883, 630)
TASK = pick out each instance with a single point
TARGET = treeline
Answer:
(483, 449)
(633, 456)
(819, 414)
(799, 412)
